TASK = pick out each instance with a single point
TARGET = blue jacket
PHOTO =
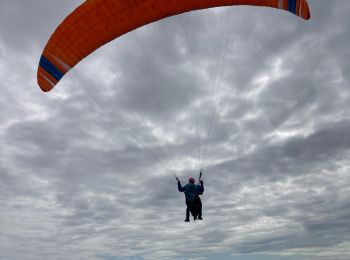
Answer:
(191, 190)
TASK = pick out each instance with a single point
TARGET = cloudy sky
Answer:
(257, 97)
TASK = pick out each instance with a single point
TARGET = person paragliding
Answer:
(193, 201)
(95, 23)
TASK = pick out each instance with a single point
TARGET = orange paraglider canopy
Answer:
(97, 22)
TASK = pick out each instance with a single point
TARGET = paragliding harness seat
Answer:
(195, 207)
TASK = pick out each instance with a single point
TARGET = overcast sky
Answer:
(257, 97)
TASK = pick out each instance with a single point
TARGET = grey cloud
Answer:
(74, 182)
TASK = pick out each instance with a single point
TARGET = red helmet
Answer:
(191, 180)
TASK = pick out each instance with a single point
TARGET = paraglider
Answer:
(97, 22)
(193, 201)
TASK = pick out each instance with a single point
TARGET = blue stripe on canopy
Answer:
(50, 68)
